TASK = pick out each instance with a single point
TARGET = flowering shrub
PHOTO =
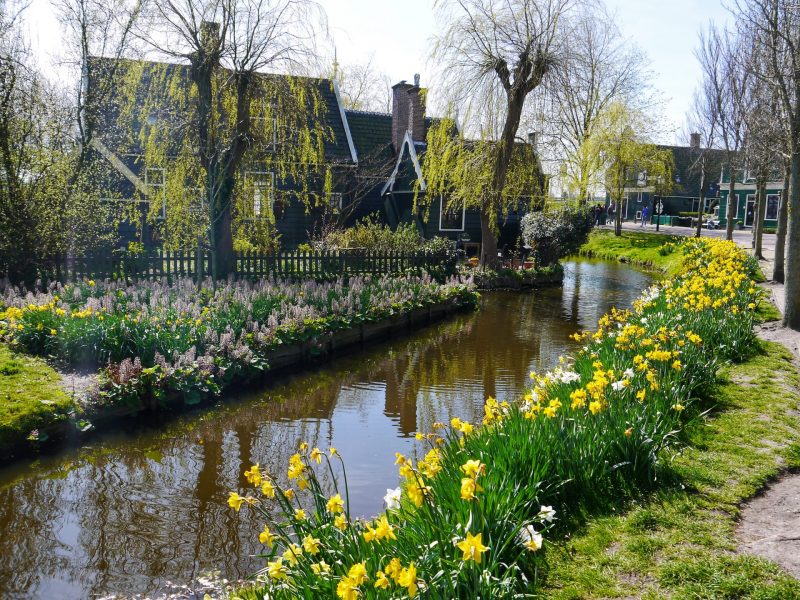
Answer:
(474, 507)
(155, 338)
(556, 234)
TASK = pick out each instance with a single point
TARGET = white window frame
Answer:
(463, 216)
(777, 210)
(200, 195)
(158, 186)
(746, 202)
(260, 214)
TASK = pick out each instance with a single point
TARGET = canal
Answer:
(147, 505)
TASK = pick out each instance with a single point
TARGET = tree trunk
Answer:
(702, 199)
(618, 220)
(730, 210)
(488, 242)
(699, 231)
(761, 213)
(791, 315)
(780, 233)
(505, 149)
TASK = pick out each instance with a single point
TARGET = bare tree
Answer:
(778, 25)
(363, 87)
(702, 122)
(724, 81)
(601, 67)
(492, 55)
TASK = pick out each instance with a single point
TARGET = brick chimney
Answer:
(416, 111)
(694, 141)
(400, 112)
(408, 112)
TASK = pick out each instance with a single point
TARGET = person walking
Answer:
(645, 213)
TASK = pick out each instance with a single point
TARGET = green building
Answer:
(745, 198)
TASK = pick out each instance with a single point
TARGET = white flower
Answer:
(628, 374)
(530, 538)
(547, 513)
(618, 386)
(392, 499)
(568, 376)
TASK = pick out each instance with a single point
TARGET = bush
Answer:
(554, 235)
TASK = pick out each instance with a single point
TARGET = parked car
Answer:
(712, 224)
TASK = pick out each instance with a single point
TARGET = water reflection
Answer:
(147, 505)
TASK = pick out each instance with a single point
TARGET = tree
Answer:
(725, 80)
(777, 23)
(363, 87)
(39, 213)
(702, 122)
(461, 172)
(212, 112)
(492, 56)
(620, 141)
(601, 68)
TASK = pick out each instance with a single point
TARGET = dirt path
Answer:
(769, 524)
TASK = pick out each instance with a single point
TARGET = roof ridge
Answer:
(368, 112)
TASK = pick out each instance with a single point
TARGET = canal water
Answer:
(147, 505)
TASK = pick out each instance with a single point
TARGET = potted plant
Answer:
(739, 225)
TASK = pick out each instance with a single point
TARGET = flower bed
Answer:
(475, 507)
(153, 340)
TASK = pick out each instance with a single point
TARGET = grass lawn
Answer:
(680, 542)
(31, 397)
(650, 250)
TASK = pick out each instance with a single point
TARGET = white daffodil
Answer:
(547, 513)
(392, 499)
(530, 538)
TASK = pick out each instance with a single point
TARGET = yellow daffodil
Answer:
(472, 547)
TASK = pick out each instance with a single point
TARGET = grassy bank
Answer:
(31, 398)
(651, 250)
(680, 542)
(473, 515)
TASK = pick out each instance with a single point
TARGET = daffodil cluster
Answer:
(472, 513)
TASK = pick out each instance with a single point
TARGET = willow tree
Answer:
(218, 136)
(492, 56)
(622, 143)
(461, 172)
(601, 68)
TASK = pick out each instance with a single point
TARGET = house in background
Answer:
(375, 160)
(745, 198)
(684, 196)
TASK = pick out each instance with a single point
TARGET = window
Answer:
(261, 198)
(451, 218)
(266, 112)
(773, 203)
(155, 182)
(335, 202)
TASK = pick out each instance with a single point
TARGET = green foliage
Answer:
(462, 172)
(620, 140)
(553, 235)
(370, 234)
(47, 200)
(284, 122)
(31, 398)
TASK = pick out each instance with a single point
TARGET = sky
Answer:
(397, 35)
